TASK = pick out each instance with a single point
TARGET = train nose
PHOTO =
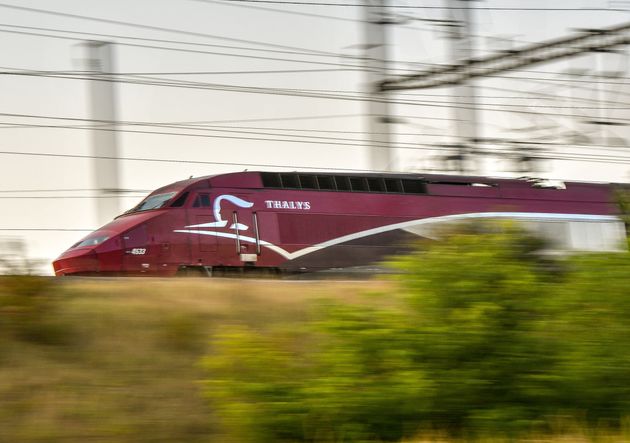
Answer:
(76, 262)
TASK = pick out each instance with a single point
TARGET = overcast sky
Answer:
(308, 48)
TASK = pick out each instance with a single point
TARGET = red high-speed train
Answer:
(295, 221)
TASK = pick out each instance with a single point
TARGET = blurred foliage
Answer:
(96, 361)
(14, 258)
(28, 308)
(622, 199)
(477, 338)
(107, 360)
(481, 336)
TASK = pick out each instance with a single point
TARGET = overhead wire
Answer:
(152, 81)
(336, 55)
(154, 28)
(236, 130)
(280, 132)
(195, 51)
(307, 51)
(182, 161)
(262, 8)
(224, 163)
(329, 17)
(65, 197)
(242, 134)
(273, 137)
(426, 7)
(600, 158)
(48, 229)
(6, 191)
(156, 40)
(229, 85)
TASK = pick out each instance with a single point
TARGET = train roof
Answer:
(260, 179)
(434, 178)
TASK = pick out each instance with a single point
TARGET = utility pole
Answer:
(379, 121)
(584, 42)
(462, 52)
(589, 40)
(104, 138)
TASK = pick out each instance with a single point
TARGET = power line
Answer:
(152, 81)
(62, 74)
(273, 119)
(240, 130)
(282, 133)
(329, 17)
(163, 160)
(296, 138)
(194, 127)
(598, 158)
(47, 229)
(16, 191)
(169, 41)
(155, 28)
(250, 120)
(255, 57)
(400, 145)
(157, 40)
(545, 96)
(65, 197)
(314, 117)
(100, 35)
(579, 85)
(267, 71)
(442, 8)
(157, 81)
(307, 139)
(261, 8)
(194, 51)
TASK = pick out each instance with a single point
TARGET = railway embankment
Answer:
(478, 337)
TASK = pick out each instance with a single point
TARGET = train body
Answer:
(296, 221)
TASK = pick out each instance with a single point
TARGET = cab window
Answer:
(202, 201)
(153, 202)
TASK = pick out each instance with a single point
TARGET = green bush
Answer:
(483, 336)
(28, 310)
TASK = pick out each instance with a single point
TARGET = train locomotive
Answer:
(297, 221)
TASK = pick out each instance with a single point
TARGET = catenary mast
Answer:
(376, 53)
(104, 139)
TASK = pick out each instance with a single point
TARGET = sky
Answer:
(232, 85)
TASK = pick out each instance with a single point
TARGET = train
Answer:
(277, 222)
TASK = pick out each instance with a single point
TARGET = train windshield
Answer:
(91, 240)
(153, 202)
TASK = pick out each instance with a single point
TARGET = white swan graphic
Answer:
(216, 209)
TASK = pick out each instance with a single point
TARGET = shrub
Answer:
(28, 308)
(481, 336)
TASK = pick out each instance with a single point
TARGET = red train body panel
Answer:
(308, 221)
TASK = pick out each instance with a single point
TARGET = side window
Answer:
(414, 187)
(342, 183)
(202, 201)
(308, 182)
(376, 184)
(290, 181)
(326, 182)
(358, 184)
(393, 185)
(181, 200)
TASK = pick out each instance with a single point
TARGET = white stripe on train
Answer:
(528, 216)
